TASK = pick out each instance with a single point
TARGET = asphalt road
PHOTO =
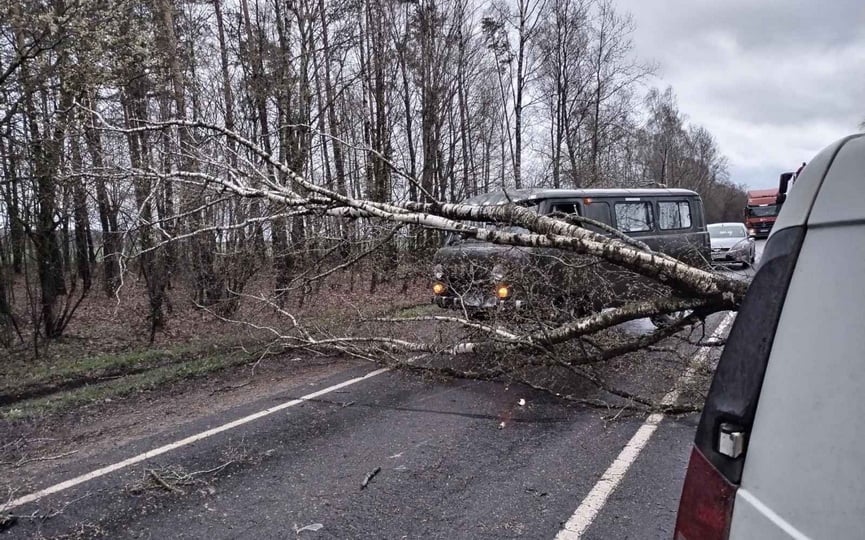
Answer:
(440, 458)
(447, 470)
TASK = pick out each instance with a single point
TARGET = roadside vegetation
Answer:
(56, 386)
(104, 357)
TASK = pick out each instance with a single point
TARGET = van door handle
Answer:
(731, 440)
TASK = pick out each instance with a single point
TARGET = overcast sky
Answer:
(774, 80)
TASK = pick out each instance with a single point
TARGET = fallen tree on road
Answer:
(218, 180)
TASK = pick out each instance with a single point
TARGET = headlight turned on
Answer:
(503, 292)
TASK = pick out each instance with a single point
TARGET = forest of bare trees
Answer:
(191, 149)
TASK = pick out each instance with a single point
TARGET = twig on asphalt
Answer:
(16, 442)
(7, 520)
(613, 419)
(230, 387)
(213, 470)
(369, 477)
(23, 461)
(159, 480)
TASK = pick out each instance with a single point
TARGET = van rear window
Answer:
(634, 216)
(674, 215)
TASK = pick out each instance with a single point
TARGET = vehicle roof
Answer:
(530, 194)
(728, 224)
(757, 193)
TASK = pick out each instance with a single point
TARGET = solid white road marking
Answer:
(183, 442)
(770, 514)
(597, 497)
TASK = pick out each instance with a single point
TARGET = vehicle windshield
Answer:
(726, 231)
(763, 211)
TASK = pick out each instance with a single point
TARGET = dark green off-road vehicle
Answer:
(480, 277)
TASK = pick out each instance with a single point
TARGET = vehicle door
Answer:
(681, 230)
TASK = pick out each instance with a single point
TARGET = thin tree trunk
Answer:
(333, 123)
(208, 286)
(82, 220)
(17, 239)
(152, 267)
(111, 246)
(226, 80)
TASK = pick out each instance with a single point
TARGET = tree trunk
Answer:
(518, 100)
(152, 267)
(257, 83)
(208, 286)
(111, 239)
(333, 124)
(17, 235)
(81, 219)
(45, 150)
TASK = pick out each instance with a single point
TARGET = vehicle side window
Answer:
(674, 215)
(634, 216)
(566, 208)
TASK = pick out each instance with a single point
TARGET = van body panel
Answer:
(790, 379)
(756, 520)
(842, 197)
(805, 453)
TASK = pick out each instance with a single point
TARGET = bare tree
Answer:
(518, 66)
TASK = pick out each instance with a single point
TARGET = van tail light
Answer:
(706, 506)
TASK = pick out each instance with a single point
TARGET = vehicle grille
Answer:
(465, 277)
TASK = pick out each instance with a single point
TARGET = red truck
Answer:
(765, 204)
(761, 212)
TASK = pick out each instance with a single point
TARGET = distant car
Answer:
(780, 446)
(731, 244)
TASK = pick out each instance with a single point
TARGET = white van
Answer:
(780, 449)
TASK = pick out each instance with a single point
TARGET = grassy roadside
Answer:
(420, 310)
(116, 375)
(67, 367)
(70, 374)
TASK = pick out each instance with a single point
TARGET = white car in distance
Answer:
(731, 244)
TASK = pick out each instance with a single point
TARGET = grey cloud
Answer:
(775, 81)
(755, 24)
